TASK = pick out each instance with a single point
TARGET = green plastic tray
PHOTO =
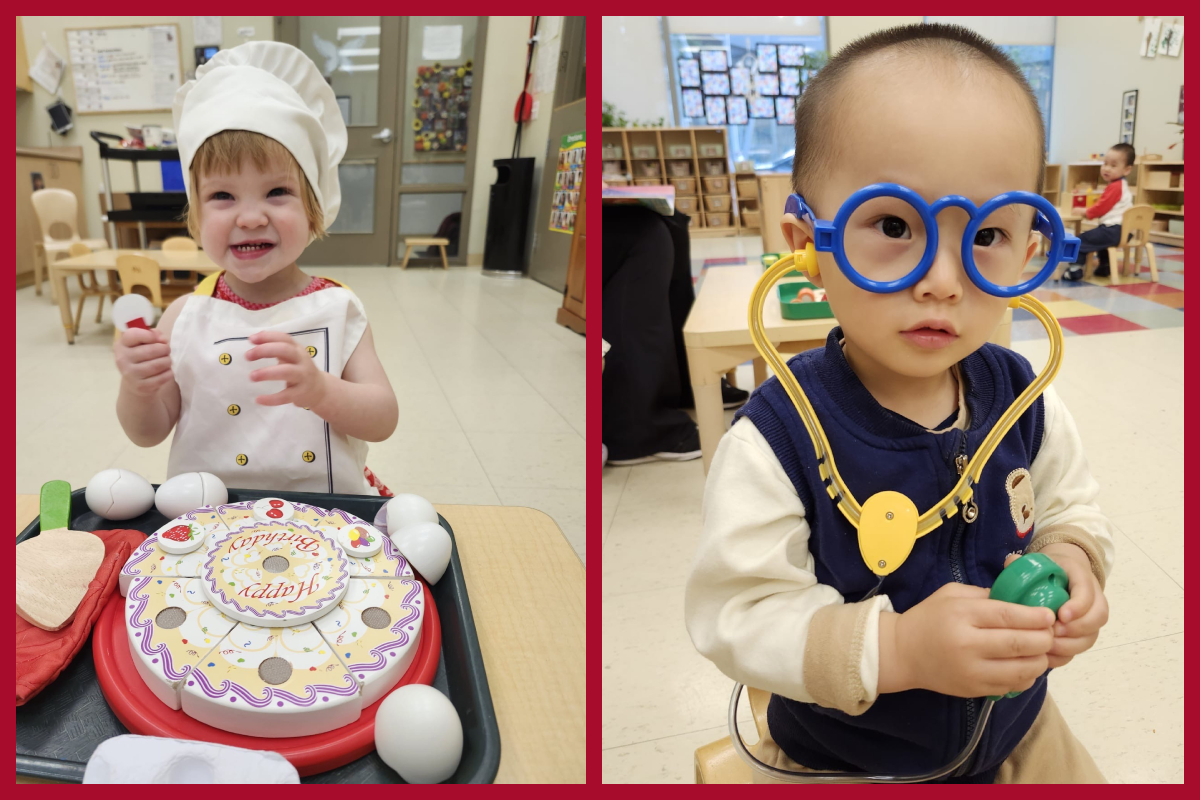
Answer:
(790, 310)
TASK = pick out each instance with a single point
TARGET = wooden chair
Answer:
(93, 288)
(718, 762)
(412, 242)
(140, 272)
(57, 211)
(1135, 222)
(182, 278)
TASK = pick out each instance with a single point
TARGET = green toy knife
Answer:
(55, 507)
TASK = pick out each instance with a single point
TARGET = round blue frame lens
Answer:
(1057, 236)
(870, 193)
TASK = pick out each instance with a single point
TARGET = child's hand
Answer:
(144, 360)
(305, 383)
(1080, 618)
(959, 642)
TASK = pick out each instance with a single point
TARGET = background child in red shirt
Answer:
(1112, 205)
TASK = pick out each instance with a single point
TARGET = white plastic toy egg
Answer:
(427, 547)
(418, 734)
(189, 491)
(119, 494)
(404, 510)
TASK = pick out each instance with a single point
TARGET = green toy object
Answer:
(1032, 580)
(54, 508)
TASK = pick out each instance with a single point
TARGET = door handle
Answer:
(384, 135)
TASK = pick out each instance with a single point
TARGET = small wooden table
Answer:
(194, 261)
(412, 242)
(526, 588)
(717, 337)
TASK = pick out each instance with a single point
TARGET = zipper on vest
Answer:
(958, 569)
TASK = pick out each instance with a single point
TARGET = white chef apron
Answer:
(249, 446)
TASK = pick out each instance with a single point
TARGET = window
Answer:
(1037, 62)
(758, 79)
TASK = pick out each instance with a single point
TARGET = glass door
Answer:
(360, 58)
(439, 112)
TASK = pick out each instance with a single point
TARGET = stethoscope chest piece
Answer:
(887, 531)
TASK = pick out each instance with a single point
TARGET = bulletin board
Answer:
(440, 108)
(568, 179)
(124, 69)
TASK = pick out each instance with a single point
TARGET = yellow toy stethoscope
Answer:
(888, 524)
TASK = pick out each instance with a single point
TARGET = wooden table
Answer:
(195, 261)
(718, 339)
(526, 589)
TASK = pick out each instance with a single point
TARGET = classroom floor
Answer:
(1122, 379)
(491, 393)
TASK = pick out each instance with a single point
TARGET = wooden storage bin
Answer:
(716, 202)
(1158, 225)
(711, 150)
(644, 151)
(747, 187)
(679, 169)
(679, 151)
(717, 185)
(1163, 179)
(718, 220)
(647, 169)
(616, 180)
(612, 151)
(614, 168)
(684, 185)
(647, 182)
(750, 217)
(712, 166)
(687, 205)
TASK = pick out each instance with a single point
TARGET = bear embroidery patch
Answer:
(1019, 485)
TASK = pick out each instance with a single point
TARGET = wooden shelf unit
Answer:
(693, 196)
(1149, 172)
(1052, 187)
(749, 207)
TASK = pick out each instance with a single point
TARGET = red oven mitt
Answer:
(42, 655)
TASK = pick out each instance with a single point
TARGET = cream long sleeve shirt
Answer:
(753, 604)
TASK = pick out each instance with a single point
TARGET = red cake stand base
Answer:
(143, 713)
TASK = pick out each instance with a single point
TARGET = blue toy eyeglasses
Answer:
(885, 236)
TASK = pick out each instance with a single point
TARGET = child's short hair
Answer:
(814, 134)
(223, 153)
(1127, 151)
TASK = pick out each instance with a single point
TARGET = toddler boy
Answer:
(906, 390)
(1112, 205)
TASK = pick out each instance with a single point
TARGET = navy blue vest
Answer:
(875, 450)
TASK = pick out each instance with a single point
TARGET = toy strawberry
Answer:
(180, 533)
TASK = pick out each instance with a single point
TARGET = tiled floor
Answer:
(491, 393)
(1123, 698)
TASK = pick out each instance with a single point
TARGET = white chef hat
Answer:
(274, 89)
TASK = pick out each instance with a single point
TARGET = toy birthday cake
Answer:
(270, 618)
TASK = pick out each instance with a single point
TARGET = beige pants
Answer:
(1049, 753)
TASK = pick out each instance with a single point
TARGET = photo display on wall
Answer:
(791, 55)
(714, 110)
(785, 111)
(440, 108)
(1128, 116)
(716, 83)
(738, 110)
(789, 81)
(567, 181)
(714, 61)
(767, 85)
(768, 59)
(762, 107)
(739, 81)
(693, 103)
(689, 72)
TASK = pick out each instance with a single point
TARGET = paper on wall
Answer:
(1150, 33)
(442, 42)
(1172, 40)
(206, 30)
(47, 69)
(548, 47)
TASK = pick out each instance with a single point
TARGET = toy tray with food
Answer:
(795, 303)
(106, 691)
